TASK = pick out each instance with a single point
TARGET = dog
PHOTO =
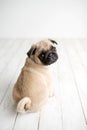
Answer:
(34, 84)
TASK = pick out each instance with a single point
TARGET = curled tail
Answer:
(24, 105)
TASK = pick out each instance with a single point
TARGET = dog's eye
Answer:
(42, 55)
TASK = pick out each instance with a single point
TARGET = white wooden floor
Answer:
(68, 111)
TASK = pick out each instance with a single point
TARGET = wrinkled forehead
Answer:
(44, 45)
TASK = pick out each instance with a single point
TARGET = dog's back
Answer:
(33, 82)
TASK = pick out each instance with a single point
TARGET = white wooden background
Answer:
(68, 109)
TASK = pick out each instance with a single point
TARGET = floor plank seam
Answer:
(61, 109)
(15, 121)
(38, 126)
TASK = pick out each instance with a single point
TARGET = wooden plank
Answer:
(10, 51)
(7, 109)
(73, 118)
(80, 74)
(3, 45)
(50, 116)
(8, 55)
(28, 121)
(80, 47)
(6, 45)
(10, 71)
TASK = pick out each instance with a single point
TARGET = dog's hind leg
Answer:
(23, 105)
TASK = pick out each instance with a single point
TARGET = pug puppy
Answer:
(33, 87)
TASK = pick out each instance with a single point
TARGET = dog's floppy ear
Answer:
(54, 42)
(31, 51)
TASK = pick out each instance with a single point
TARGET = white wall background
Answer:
(43, 18)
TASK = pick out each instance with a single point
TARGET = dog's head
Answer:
(43, 52)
